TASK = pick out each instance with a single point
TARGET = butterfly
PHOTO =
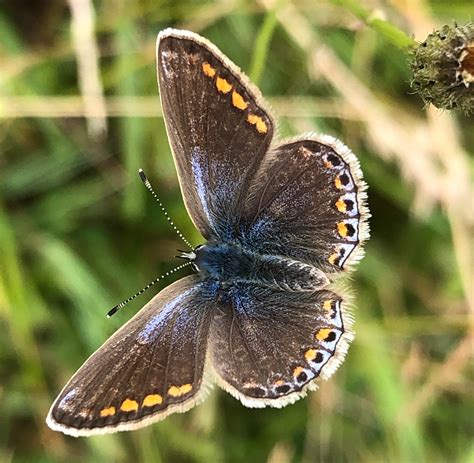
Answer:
(263, 316)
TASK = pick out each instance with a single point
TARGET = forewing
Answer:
(268, 347)
(308, 203)
(218, 128)
(149, 368)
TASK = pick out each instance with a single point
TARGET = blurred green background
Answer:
(79, 114)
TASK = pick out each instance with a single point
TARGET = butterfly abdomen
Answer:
(229, 263)
(289, 274)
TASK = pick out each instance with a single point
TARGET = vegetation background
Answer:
(79, 114)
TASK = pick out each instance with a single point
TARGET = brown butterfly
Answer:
(262, 316)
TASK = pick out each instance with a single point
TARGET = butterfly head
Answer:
(192, 256)
(209, 259)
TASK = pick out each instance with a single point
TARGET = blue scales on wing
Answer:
(218, 127)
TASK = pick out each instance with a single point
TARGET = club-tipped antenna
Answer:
(115, 309)
(147, 183)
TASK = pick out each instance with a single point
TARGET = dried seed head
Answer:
(443, 68)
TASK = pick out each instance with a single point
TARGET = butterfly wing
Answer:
(218, 127)
(268, 347)
(309, 203)
(151, 367)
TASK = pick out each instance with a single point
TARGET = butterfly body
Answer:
(230, 264)
(264, 316)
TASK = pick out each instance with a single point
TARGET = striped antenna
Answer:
(147, 183)
(115, 309)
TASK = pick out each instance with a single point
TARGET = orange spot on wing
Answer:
(109, 411)
(338, 183)
(310, 355)
(152, 399)
(322, 334)
(297, 371)
(341, 205)
(327, 305)
(342, 229)
(238, 101)
(173, 391)
(177, 391)
(129, 405)
(185, 388)
(332, 258)
(222, 85)
(258, 122)
(208, 70)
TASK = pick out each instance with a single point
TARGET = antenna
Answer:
(115, 309)
(147, 183)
